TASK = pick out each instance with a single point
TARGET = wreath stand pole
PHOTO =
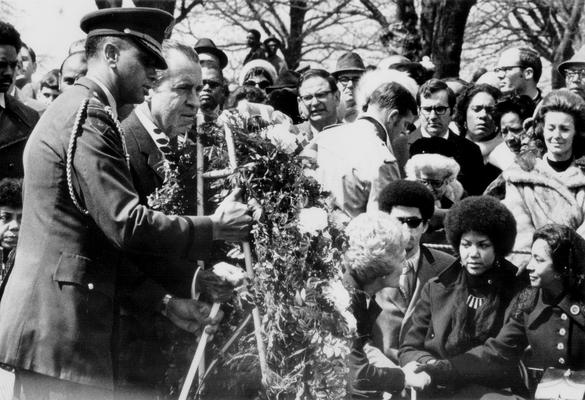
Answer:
(200, 212)
(197, 357)
(231, 149)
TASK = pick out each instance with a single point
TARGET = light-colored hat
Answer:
(254, 64)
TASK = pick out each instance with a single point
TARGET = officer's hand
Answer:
(219, 284)
(232, 220)
(192, 315)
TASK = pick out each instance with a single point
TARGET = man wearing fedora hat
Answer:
(350, 67)
(574, 72)
(82, 214)
(272, 45)
(209, 54)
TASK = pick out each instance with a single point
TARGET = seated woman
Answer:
(466, 304)
(374, 261)
(551, 189)
(547, 319)
(511, 113)
(258, 73)
(432, 164)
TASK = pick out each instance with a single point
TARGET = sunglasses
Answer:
(412, 222)
(262, 85)
(212, 84)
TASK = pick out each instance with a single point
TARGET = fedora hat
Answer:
(578, 60)
(206, 45)
(348, 62)
(146, 26)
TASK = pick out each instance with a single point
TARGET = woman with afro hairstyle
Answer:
(466, 304)
(546, 327)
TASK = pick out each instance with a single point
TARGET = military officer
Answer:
(81, 212)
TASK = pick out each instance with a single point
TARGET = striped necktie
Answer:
(407, 279)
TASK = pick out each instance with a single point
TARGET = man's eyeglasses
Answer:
(262, 84)
(212, 84)
(571, 74)
(502, 71)
(434, 183)
(6, 64)
(320, 96)
(513, 130)
(412, 222)
(488, 109)
(344, 80)
(439, 110)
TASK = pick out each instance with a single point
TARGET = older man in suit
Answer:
(81, 214)
(412, 204)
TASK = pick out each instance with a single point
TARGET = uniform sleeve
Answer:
(387, 172)
(107, 191)
(413, 346)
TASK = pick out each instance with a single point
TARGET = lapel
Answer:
(574, 310)
(425, 271)
(146, 146)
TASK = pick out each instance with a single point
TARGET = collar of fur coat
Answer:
(573, 178)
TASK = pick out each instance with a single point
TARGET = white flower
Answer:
(312, 219)
(280, 136)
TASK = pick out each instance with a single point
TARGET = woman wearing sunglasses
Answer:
(465, 305)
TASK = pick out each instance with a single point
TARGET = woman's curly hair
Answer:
(484, 215)
(376, 246)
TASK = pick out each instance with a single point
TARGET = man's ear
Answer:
(425, 226)
(337, 96)
(392, 117)
(528, 73)
(112, 54)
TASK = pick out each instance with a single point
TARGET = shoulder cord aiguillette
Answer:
(71, 150)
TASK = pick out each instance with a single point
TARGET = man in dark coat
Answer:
(435, 102)
(81, 213)
(16, 119)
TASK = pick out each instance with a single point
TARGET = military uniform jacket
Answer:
(551, 334)
(57, 311)
(16, 123)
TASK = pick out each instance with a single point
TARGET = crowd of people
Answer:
(463, 203)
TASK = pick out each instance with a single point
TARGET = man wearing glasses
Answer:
(318, 101)
(16, 119)
(519, 70)
(435, 102)
(350, 67)
(574, 72)
(412, 204)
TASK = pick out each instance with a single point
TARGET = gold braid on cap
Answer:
(76, 130)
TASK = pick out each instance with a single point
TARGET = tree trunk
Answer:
(411, 45)
(443, 26)
(293, 50)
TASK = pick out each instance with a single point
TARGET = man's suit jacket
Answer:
(387, 331)
(57, 314)
(16, 123)
(466, 153)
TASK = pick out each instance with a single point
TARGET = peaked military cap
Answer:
(146, 26)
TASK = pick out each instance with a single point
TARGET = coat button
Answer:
(575, 309)
(564, 316)
(562, 331)
(560, 346)
(90, 286)
(562, 361)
